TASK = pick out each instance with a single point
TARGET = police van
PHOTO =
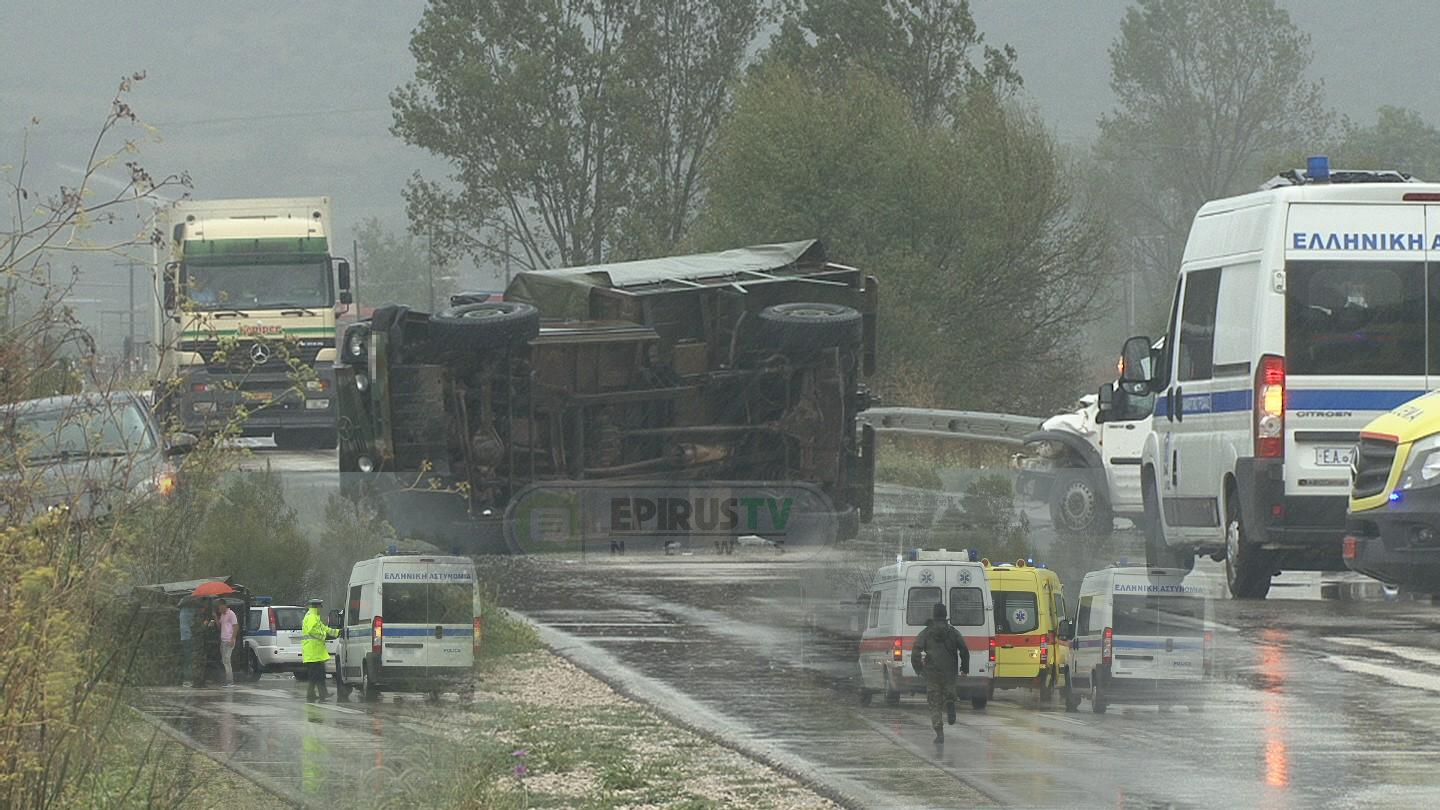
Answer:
(1302, 311)
(900, 601)
(1142, 635)
(411, 624)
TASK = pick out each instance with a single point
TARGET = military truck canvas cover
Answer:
(565, 293)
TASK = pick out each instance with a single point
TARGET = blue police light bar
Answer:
(1317, 169)
(392, 549)
(264, 600)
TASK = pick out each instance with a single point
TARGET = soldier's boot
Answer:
(939, 734)
(950, 711)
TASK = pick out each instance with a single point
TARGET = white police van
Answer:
(1302, 311)
(900, 601)
(411, 624)
(1142, 635)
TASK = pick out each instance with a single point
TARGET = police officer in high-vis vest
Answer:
(314, 633)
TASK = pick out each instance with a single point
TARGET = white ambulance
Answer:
(1142, 635)
(1302, 312)
(900, 602)
(411, 624)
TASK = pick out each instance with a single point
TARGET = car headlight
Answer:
(1422, 469)
(365, 464)
(356, 340)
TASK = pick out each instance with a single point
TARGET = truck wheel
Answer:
(802, 326)
(1078, 507)
(254, 667)
(487, 325)
(1247, 567)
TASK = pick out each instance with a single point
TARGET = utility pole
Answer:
(130, 319)
(430, 263)
(507, 256)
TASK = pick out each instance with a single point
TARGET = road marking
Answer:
(1417, 654)
(1397, 677)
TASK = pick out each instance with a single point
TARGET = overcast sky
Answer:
(292, 99)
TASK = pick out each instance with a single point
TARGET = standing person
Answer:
(187, 647)
(939, 654)
(227, 622)
(314, 632)
(208, 634)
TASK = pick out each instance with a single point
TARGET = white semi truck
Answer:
(249, 291)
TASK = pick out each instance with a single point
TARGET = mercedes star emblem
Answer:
(259, 354)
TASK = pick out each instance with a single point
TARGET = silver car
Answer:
(88, 453)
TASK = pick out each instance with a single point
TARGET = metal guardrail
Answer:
(1000, 428)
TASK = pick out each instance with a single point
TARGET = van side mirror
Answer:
(170, 293)
(1135, 365)
(342, 276)
(1105, 403)
(1066, 631)
(178, 444)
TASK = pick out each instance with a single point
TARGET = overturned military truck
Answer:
(742, 368)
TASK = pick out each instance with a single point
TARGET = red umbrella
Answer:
(212, 589)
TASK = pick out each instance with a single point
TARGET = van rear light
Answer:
(1270, 407)
(1350, 547)
(1420, 196)
(1044, 650)
(479, 631)
(270, 617)
(1107, 646)
(992, 649)
(377, 634)
(899, 651)
(1209, 652)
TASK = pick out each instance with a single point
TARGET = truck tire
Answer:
(485, 325)
(1247, 567)
(1078, 506)
(804, 327)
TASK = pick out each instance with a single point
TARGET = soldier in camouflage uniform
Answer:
(940, 655)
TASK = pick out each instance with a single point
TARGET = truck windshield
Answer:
(259, 286)
(78, 432)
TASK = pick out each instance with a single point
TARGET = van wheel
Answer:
(1078, 508)
(1158, 554)
(1071, 695)
(1097, 695)
(978, 702)
(368, 689)
(253, 667)
(1047, 687)
(866, 696)
(342, 689)
(1247, 567)
(892, 696)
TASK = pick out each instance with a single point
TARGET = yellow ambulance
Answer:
(1393, 531)
(1032, 631)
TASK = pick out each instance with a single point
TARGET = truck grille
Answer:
(243, 356)
(1373, 460)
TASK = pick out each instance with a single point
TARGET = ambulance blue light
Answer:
(1317, 169)
(392, 549)
(1395, 496)
(974, 555)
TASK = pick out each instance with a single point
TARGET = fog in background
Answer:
(293, 100)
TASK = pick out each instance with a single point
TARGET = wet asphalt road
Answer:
(1314, 702)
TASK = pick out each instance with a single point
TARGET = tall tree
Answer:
(1209, 94)
(398, 269)
(930, 49)
(1399, 139)
(570, 124)
(987, 264)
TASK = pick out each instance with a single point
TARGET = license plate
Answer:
(257, 396)
(1334, 456)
